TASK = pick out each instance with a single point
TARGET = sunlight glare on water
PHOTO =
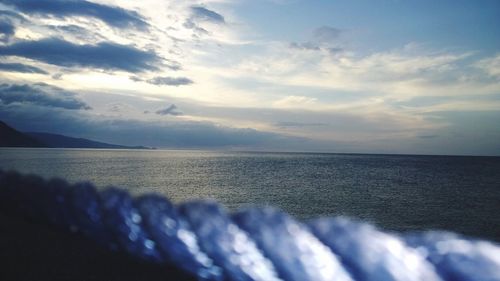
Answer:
(397, 192)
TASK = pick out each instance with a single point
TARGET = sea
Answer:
(401, 193)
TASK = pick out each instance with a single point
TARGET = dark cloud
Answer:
(19, 67)
(40, 95)
(171, 110)
(326, 33)
(6, 30)
(8, 21)
(202, 13)
(103, 55)
(183, 134)
(113, 16)
(170, 81)
(168, 134)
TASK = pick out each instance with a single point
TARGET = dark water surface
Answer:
(396, 192)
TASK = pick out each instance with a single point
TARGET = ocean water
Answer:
(396, 192)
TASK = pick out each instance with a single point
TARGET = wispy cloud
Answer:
(204, 14)
(397, 74)
(490, 65)
(199, 15)
(11, 15)
(326, 33)
(19, 67)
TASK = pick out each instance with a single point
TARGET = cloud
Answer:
(8, 21)
(399, 73)
(173, 65)
(6, 30)
(118, 107)
(428, 136)
(286, 124)
(305, 46)
(490, 65)
(171, 110)
(174, 134)
(295, 102)
(113, 16)
(323, 39)
(10, 14)
(200, 15)
(190, 24)
(75, 32)
(57, 76)
(326, 33)
(170, 81)
(19, 67)
(204, 14)
(41, 95)
(311, 46)
(71, 28)
(136, 78)
(104, 55)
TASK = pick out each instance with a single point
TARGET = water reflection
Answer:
(397, 192)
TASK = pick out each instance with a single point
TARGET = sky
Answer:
(363, 76)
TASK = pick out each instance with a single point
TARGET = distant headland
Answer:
(10, 137)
